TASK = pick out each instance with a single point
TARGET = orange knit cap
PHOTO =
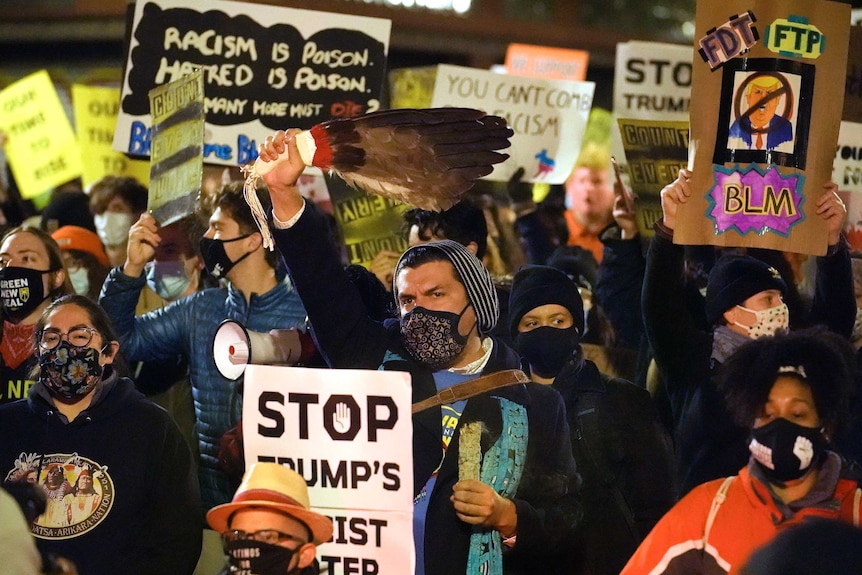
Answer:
(81, 239)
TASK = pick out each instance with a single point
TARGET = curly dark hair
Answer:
(827, 360)
(464, 222)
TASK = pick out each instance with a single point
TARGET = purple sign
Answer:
(747, 199)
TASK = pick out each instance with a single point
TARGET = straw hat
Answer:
(274, 486)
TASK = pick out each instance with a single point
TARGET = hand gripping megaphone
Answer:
(234, 347)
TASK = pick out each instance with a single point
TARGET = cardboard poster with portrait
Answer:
(765, 113)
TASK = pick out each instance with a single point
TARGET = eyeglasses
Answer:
(79, 336)
(270, 536)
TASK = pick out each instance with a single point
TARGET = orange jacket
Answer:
(684, 542)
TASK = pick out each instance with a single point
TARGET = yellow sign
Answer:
(96, 110)
(794, 38)
(41, 146)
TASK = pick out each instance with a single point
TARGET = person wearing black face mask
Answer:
(622, 451)
(269, 528)
(791, 391)
(504, 516)
(253, 289)
(32, 274)
(84, 424)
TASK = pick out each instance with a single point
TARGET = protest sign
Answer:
(652, 81)
(547, 62)
(41, 148)
(347, 432)
(369, 223)
(656, 151)
(176, 168)
(547, 116)
(265, 68)
(412, 87)
(847, 167)
(96, 110)
(763, 123)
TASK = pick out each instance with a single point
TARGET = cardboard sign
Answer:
(96, 110)
(547, 62)
(653, 81)
(853, 84)
(847, 167)
(177, 162)
(264, 68)
(766, 107)
(347, 432)
(655, 151)
(547, 116)
(369, 223)
(41, 148)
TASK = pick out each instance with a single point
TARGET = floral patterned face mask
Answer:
(432, 337)
(70, 373)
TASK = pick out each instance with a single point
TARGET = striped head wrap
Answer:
(471, 272)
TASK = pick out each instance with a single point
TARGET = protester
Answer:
(744, 300)
(256, 295)
(116, 203)
(68, 207)
(269, 526)
(447, 304)
(790, 391)
(85, 259)
(623, 453)
(464, 223)
(587, 204)
(817, 546)
(81, 418)
(176, 271)
(31, 276)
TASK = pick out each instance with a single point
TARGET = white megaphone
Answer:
(234, 347)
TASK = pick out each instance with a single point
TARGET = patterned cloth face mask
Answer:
(767, 321)
(432, 337)
(70, 373)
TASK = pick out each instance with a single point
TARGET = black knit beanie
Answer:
(534, 286)
(734, 279)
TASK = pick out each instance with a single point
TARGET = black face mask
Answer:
(251, 557)
(21, 291)
(432, 336)
(547, 349)
(785, 450)
(215, 257)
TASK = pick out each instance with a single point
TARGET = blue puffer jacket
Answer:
(187, 326)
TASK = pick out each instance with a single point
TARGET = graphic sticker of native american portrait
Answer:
(79, 492)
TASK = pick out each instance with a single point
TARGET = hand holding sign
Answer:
(673, 194)
(831, 208)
